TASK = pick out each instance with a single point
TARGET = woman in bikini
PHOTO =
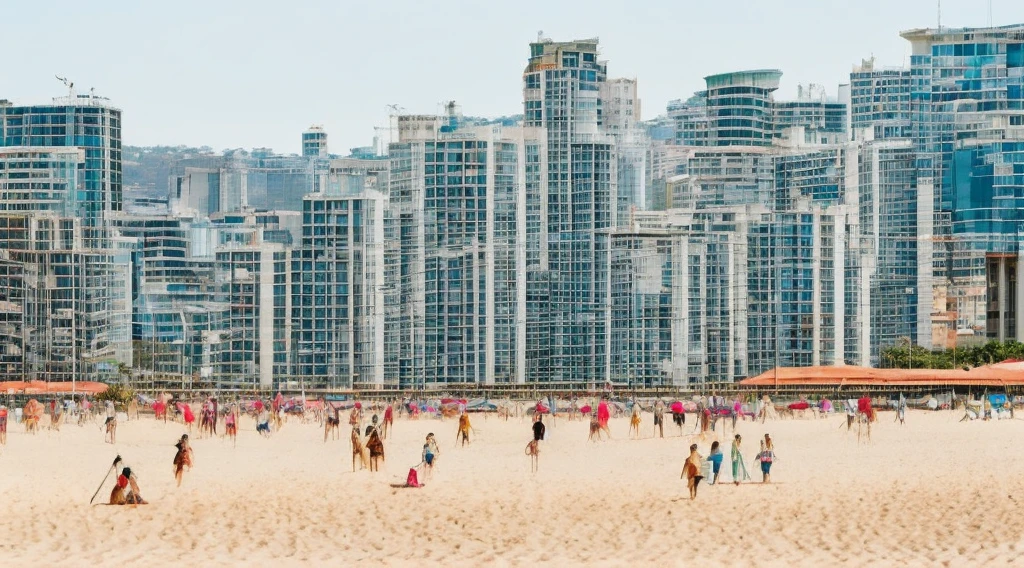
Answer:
(231, 424)
(183, 458)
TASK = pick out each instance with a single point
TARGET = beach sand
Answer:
(932, 492)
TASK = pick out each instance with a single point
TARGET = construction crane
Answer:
(69, 84)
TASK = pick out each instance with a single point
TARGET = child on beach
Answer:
(691, 471)
(716, 461)
(766, 456)
(430, 452)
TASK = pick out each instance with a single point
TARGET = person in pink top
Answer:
(186, 412)
(737, 410)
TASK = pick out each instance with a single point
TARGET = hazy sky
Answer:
(256, 73)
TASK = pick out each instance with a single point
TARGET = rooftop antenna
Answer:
(540, 36)
(940, 14)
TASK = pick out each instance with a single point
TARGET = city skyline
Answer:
(301, 62)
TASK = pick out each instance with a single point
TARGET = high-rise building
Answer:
(466, 201)
(739, 107)
(561, 93)
(962, 79)
(255, 344)
(690, 120)
(67, 303)
(880, 100)
(60, 181)
(40, 178)
(314, 142)
(620, 118)
(338, 288)
(240, 181)
(882, 181)
(86, 122)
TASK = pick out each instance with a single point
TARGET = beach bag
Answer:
(413, 479)
(705, 470)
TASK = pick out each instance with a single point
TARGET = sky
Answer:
(256, 73)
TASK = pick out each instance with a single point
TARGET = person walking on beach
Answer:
(691, 471)
(715, 457)
(231, 424)
(464, 428)
(3, 425)
(183, 458)
(216, 415)
(430, 453)
(603, 415)
(766, 457)
(374, 444)
(56, 413)
(737, 461)
(110, 434)
(538, 428)
(659, 418)
(389, 419)
(634, 420)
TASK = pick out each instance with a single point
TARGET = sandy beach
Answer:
(932, 492)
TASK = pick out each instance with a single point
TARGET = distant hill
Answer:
(150, 166)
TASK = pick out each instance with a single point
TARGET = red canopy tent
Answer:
(43, 387)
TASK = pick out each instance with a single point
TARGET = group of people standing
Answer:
(696, 468)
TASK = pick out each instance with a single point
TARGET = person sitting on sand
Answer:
(183, 458)
(126, 490)
(464, 428)
(715, 457)
(691, 471)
